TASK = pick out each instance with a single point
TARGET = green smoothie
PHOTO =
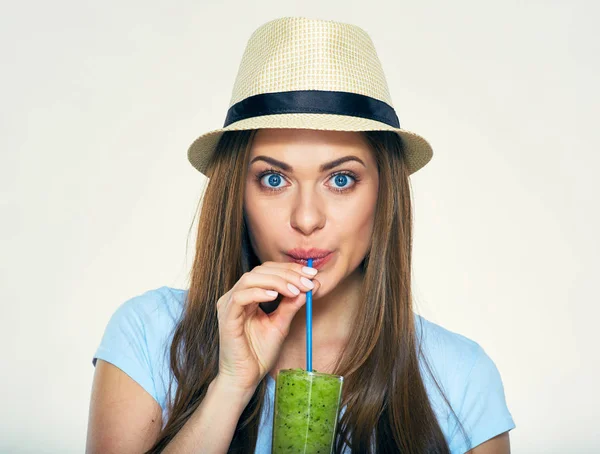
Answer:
(306, 411)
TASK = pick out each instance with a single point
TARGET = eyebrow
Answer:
(324, 167)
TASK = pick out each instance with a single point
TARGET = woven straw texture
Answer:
(298, 53)
(304, 54)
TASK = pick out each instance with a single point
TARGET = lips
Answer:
(320, 257)
(313, 253)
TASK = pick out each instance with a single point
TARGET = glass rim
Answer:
(299, 371)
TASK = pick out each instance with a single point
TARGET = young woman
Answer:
(311, 162)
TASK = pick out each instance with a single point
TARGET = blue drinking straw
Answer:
(309, 325)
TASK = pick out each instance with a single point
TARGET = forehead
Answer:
(307, 143)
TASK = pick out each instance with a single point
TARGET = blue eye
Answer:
(273, 178)
(270, 180)
(341, 179)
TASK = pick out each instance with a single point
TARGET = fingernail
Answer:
(295, 290)
(307, 270)
(307, 282)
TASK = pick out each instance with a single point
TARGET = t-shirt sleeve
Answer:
(482, 405)
(125, 345)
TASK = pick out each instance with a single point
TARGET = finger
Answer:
(270, 280)
(282, 317)
(254, 279)
(300, 269)
(243, 298)
(302, 282)
(282, 279)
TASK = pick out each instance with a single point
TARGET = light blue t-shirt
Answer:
(139, 333)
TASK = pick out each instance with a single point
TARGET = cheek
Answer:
(357, 228)
(264, 221)
(356, 219)
(354, 231)
(264, 215)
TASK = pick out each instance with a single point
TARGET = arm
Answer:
(211, 427)
(500, 444)
(124, 418)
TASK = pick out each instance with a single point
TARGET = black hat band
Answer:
(313, 101)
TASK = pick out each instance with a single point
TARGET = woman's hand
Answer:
(250, 339)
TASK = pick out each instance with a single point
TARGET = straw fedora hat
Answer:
(306, 73)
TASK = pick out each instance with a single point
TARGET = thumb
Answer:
(288, 308)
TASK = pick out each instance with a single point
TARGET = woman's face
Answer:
(310, 189)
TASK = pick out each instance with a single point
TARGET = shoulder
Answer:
(451, 354)
(446, 357)
(154, 307)
(137, 337)
(470, 380)
(454, 359)
(150, 316)
(435, 338)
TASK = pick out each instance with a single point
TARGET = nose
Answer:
(307, 211)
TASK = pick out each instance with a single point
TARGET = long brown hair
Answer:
(387, 406)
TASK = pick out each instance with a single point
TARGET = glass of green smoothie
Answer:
(306, 411)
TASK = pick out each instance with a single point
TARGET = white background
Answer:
(100, 100)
